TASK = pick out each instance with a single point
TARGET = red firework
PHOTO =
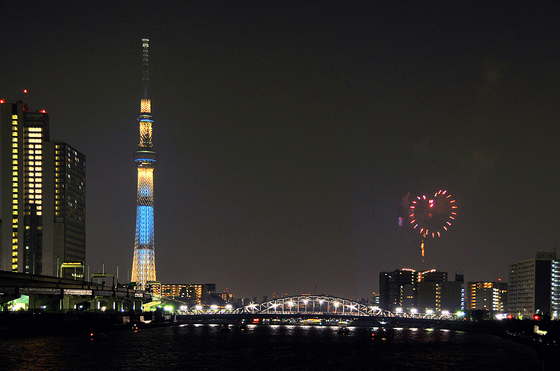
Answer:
(431, 216)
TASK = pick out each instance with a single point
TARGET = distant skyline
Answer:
(289, 133)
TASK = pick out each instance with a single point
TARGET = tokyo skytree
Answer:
(144, 262)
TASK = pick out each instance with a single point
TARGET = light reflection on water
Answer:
(275, 347)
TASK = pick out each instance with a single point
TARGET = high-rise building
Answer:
(397, 289)
(487, 296)
(144, 262)
(64, 214)
(195, 292)
(428, 291)
(534, 286)
(43, 196)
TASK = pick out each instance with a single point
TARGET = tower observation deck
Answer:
(144, 263)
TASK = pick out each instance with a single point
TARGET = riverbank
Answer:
(543, 336)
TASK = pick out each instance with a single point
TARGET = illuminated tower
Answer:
(144, 262)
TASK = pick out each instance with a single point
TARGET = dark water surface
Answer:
(282, 347)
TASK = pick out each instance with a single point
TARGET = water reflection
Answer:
(275, 347)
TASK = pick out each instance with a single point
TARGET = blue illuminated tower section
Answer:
(144, 263)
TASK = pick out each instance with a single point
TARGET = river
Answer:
(261, 347)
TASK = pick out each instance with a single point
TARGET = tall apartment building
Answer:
(488, 296)
(195, 292)
(424, 291)
(43, 196)
(534, 286)
(397, 289)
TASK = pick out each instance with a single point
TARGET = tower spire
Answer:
(144, 265)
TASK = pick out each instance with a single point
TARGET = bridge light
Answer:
(399, 310)
(290, 303)
(429, 311)
(445, 312)
(305, 302)
(214, 307)
(228, 307)
(198, 307)
(320, 302)
(414, 311)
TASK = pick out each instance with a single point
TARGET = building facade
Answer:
(43, 206)
(534, 286)
(195, 292)
(397, 289)
(424, 292)
(486, 296)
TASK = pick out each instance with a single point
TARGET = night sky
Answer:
(289, 133)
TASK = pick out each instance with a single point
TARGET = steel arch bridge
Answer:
(313, 304)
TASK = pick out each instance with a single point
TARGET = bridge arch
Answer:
(314, 304)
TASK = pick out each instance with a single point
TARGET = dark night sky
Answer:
(288, 133)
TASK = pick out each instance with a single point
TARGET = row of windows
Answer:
(15, 191)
